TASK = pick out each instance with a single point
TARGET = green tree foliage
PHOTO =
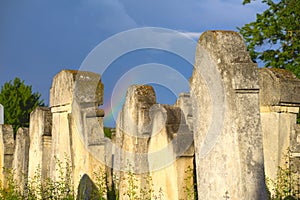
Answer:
(107, 132)
(274, 38)
(18, 101)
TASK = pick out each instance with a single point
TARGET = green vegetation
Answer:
(62, 189)
(136, 193)
(274, 38)
(11, 192)
(35, 189)
(100, 182)
(107, 132)
(286, 186)
(18, 101)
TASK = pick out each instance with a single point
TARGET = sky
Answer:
(39, 38)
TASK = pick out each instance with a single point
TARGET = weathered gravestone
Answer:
(170, 153)
(40, 143)
(132, 134)
(1, 114)
(279, 106)
(7, 148)
(227, 129)
(21, 158)
(77, 124)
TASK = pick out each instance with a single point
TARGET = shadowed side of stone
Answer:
(87, 190)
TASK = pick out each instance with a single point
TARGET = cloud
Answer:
(194, 35)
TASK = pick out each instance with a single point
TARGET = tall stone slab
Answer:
(1, 115)
(21, 158)
(132, 134)
(86, 122)
(40, 143)
(227, 127)
(77, 124)
(170, 153)
(61, 94)
(7, 148)
(279, 106)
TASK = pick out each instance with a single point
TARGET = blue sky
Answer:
(39, 38)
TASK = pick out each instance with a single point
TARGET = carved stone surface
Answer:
(227, 129)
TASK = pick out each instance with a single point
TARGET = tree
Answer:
(18, 102)
(274, 38)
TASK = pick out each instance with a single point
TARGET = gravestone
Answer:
(1, 114)
(279, 106)
(7, 148)
(170, 153)
(132, 134)
(77, 124)
(40, 143)
(21, 158)
(227, 128)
